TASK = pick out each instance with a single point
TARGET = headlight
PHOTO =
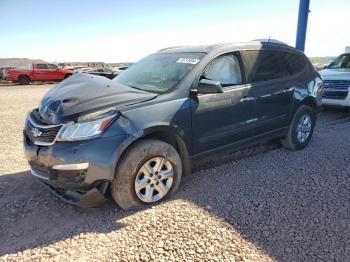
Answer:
(85, 130)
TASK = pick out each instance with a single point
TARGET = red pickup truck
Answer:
(37, 72)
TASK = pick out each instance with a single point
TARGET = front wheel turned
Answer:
(149, 171)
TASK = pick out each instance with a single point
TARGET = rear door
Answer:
(221, 119)
(271, 87)
(41, 72)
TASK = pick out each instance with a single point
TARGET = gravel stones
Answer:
(263, 203)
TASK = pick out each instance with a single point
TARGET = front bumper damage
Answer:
(90, 198)
(77, 172)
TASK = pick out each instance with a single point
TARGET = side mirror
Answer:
(206, 86)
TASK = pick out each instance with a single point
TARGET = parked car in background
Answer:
(38, 72)
(3, 71)
(82, 69)
(79, 69)
(137, 134)
(106, 72)
(336, 78)
(118, 70)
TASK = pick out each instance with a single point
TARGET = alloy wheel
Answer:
(154, 179)
(304, 128)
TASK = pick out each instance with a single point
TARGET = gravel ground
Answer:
(260, 204)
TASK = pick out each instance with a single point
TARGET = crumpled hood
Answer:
(83, 93)
(335, 74)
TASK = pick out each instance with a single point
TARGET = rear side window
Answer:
(266, 65)
(224, 69)
(41, 66)
(295, 63)
(52, 66)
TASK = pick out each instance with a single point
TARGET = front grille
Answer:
(335, 89)
(40, 133)
(339, 84)
(340, 95)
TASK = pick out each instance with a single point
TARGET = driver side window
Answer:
(224, 69)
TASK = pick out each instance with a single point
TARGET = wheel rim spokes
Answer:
(148, 193)
(159, 163)
(304, 128)
(154, 179)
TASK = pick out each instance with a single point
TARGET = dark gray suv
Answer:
(135, 136)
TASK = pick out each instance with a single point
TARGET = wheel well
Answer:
(165, 137)
(177, 143)
(309, 101)
(21, 76)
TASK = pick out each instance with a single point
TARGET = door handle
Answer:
(247, 99)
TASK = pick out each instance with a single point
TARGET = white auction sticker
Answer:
(187, 60)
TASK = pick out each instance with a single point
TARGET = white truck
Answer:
(336, 78)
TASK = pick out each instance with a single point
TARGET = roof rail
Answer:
(171, 47)
(269, 40)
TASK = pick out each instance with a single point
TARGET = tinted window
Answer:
(224, 69)
(295, 63)
(41, 66)
(52, 66)
(266, 65)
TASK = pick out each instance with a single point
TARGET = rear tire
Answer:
(301, 129)
(137, 183)
(67, 75)
(23, 80)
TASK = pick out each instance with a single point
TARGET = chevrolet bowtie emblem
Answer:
(36, 132)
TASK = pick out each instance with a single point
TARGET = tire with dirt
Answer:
(148, 172)
(301, 129)
(23, 80)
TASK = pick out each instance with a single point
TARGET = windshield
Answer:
(342, 61)
(159, 72)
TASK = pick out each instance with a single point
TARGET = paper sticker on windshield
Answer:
(187, 60)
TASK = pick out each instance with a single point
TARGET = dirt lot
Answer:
(260, 204)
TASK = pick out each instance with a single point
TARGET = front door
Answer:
(42, 72)
(54, 72)
(222, 119)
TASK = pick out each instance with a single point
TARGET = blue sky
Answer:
(113, 31)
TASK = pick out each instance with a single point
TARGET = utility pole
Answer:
(302, 24)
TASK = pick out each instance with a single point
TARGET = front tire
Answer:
(148, 172)
(301, 129)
